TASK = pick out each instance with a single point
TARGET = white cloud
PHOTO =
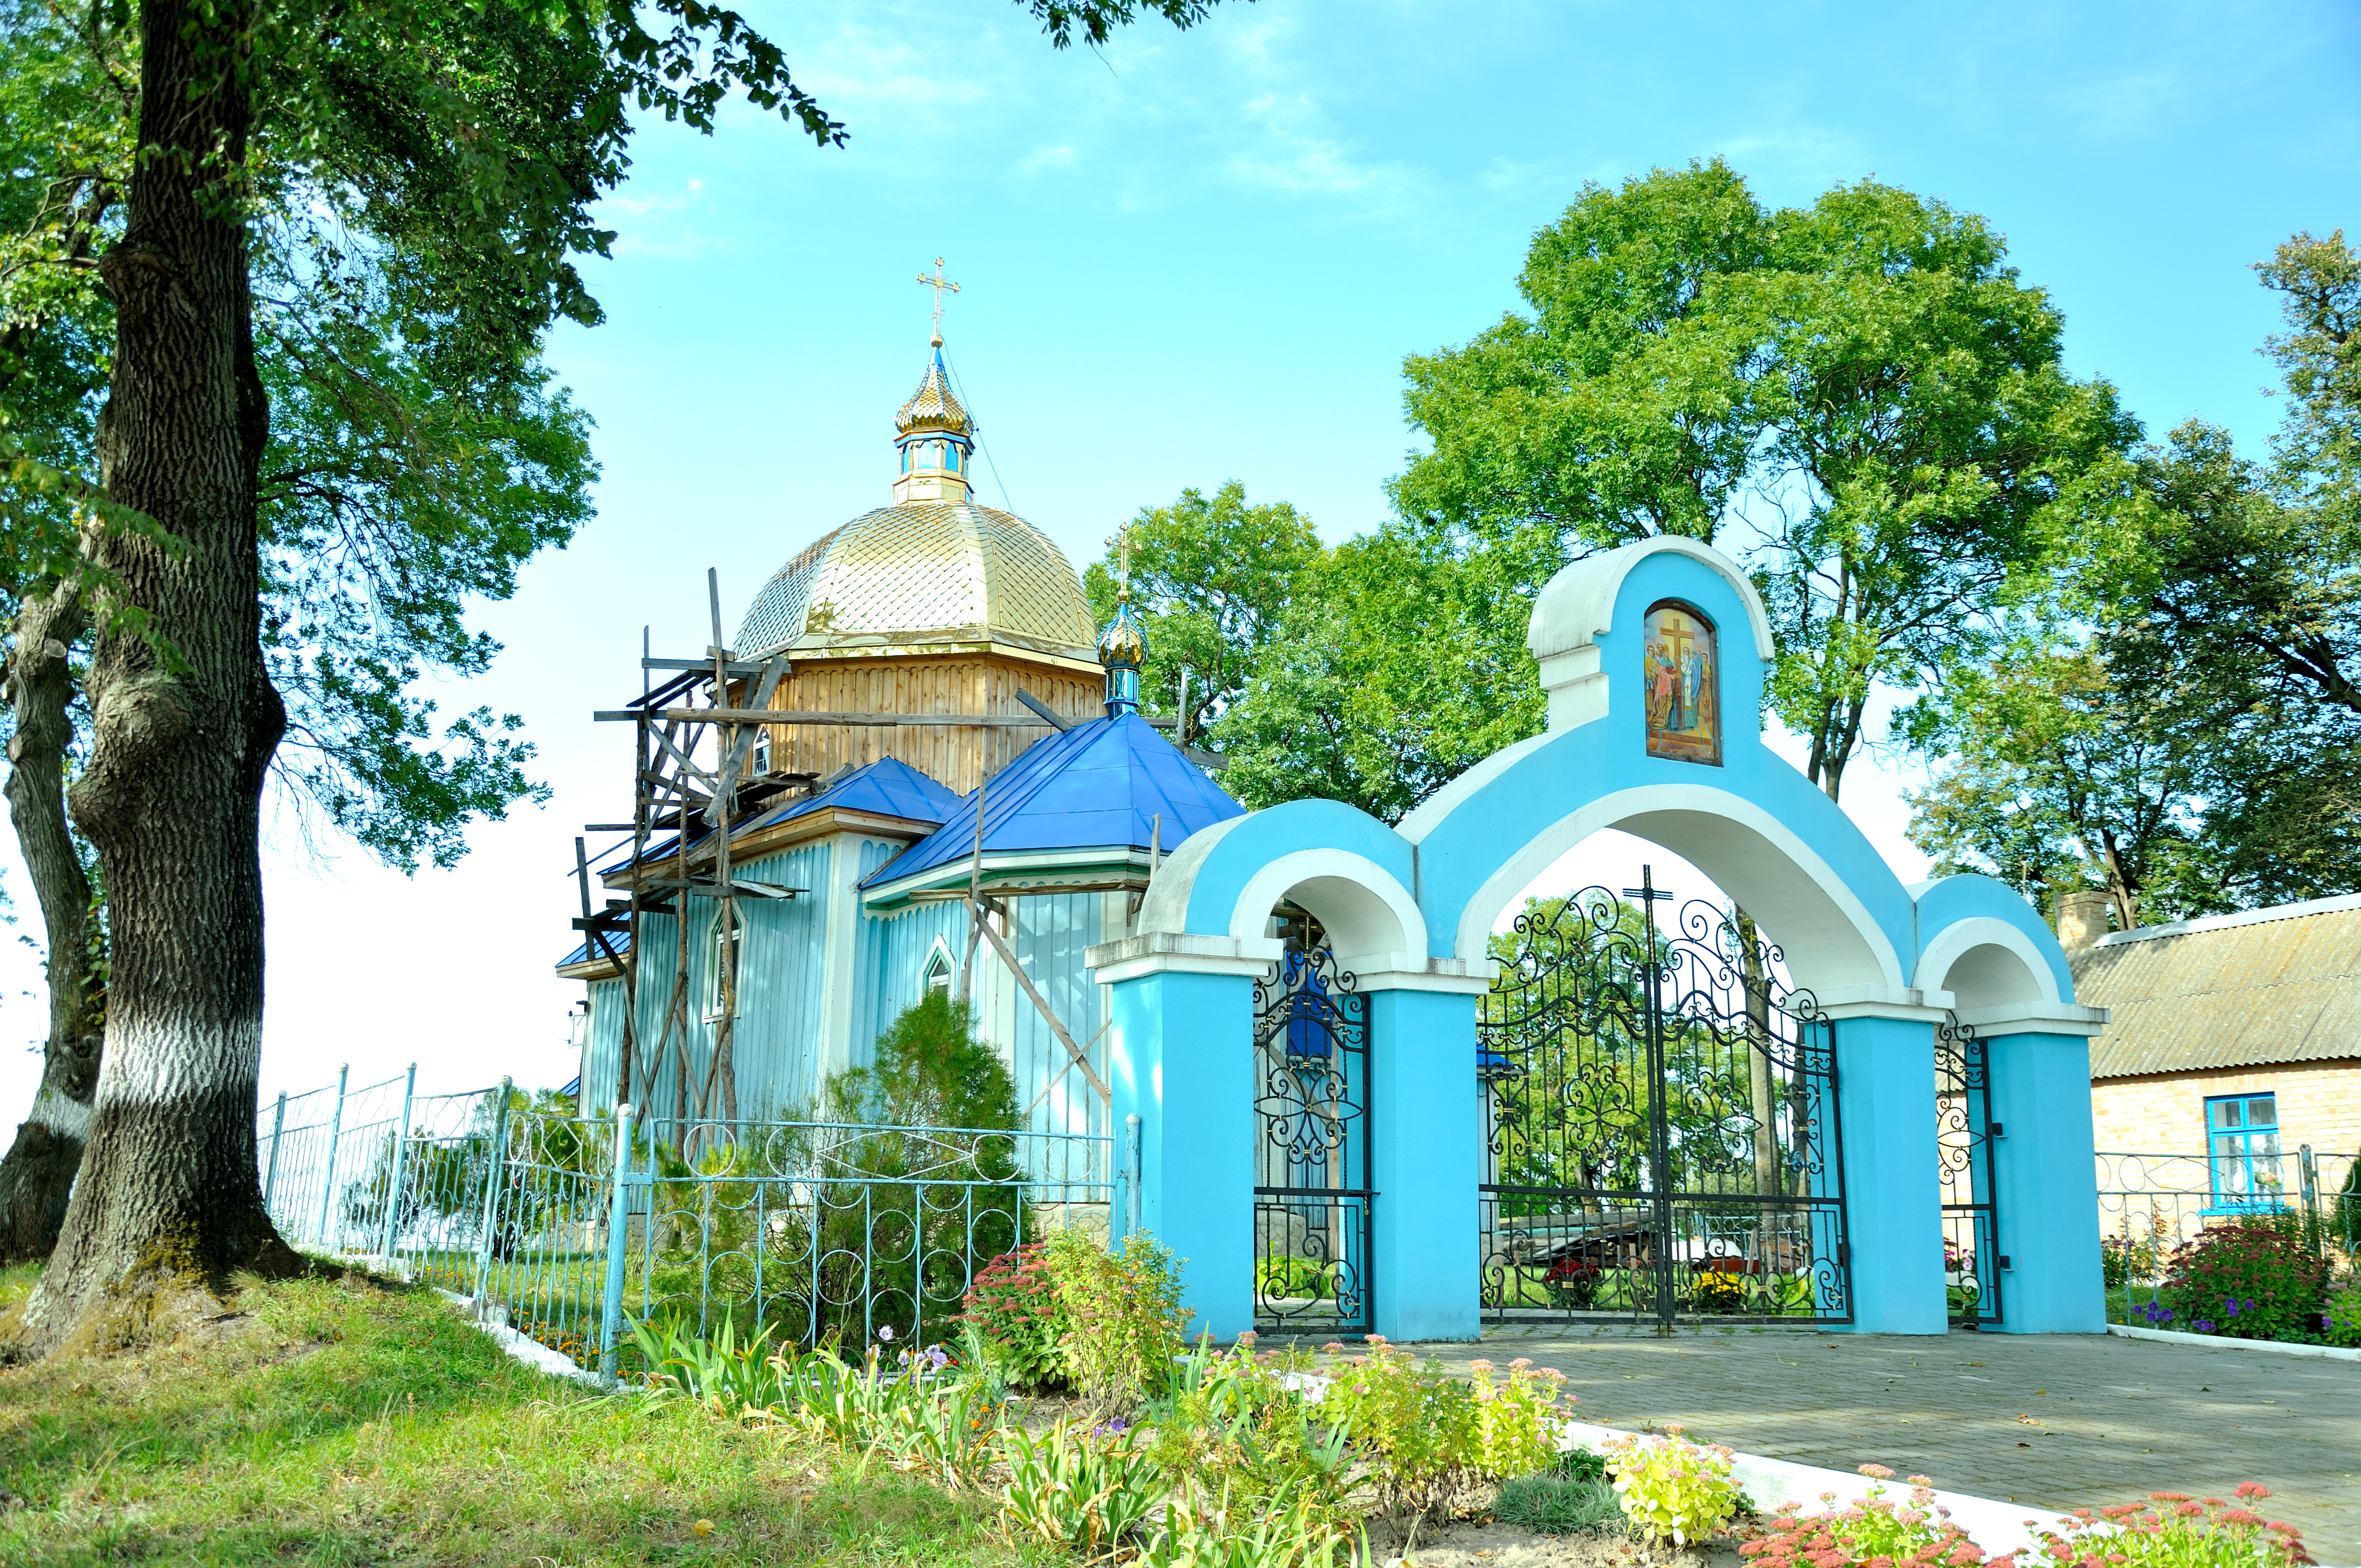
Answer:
(1292, 152)
(1047, 157)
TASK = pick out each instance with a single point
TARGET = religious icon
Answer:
(1683, 686)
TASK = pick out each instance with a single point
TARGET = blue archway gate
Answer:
(1313, 1200)
(1660, 1108)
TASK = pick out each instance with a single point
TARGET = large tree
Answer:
(416, 455)
(1859, 397)
(475, 139)
(2212, 603)
(1211, 575)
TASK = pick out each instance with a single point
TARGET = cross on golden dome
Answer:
(940, 285)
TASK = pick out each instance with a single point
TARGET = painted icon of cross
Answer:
(940, 285)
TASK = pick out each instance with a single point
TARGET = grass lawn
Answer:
(324, 1423)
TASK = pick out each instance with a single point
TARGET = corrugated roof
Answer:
(1098, 785)
(2265, 986)
(887, 787)
(620, 939)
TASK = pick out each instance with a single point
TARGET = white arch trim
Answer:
(1988, 979)
(1647, 800)
(1365, 908)
(1577, 607)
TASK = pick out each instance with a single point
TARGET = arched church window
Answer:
(1681, 684)
(954, 457)
(939, 971)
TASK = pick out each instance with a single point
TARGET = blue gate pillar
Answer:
(2045, 1177)
(1181, 1057)
(1426, 1131)
(1894, 1201)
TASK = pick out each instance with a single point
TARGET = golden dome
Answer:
(920, 577)
(932, 406)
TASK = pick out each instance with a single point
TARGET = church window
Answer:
(954, 459)
(906, 459)
(939, 971)
(723, 957)
(758, 762)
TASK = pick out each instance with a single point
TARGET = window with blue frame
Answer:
(2242, 1135)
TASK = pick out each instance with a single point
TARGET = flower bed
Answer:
(1071, 1401)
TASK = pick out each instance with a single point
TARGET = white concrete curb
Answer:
(2222, 1342)
(1997, 1526)
(523, 1347)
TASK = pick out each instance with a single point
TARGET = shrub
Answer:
(2252, 1280)
(1516, 1419)
(1017, 1317)
(1286, 1531)
(1557, 1503)
(1285, 1278)
(1671, 1489)
(2341, 1321)
(1086, 1491)
(1920, 1535)
(1418, 1431)
(2172, 1529)
(1123, 1319)
(1236, 1432)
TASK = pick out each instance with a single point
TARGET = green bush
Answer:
(1872, 1531)
(1294, 1278)
(1557, 1503)
(1017, 1317)
(1672, 1489)
(1123, 1321)
(2172, 1529)
(2250, 1279)
(2342, 1319)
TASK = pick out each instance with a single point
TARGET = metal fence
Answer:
(805, 1228)
(2150, 1204)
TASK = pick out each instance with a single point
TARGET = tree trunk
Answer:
(1760, 1099)
(181, 739)
(37, 1176)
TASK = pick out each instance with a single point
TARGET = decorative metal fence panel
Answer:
(2151, 1204)
(1964, 1130)
(1312, 1196)
(1662, 1113)
(805, 1230)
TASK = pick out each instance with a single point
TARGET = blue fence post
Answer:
(619, 1225)
(270, 1171)
(336, 1131)
(494, 1173)
(394, 1178)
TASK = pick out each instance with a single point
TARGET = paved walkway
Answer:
(2055, 1422)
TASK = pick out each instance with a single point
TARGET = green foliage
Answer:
(2205, 615)
(2247, 1279)
(1019, 1322)
(2171, 1530)
(2344, 1211)
(931, 1069)
(2341, 1318)
(1868, 372)
(1212, 578)
(1302, 1278)
(1123, 1319)
(1558, 1505)
(1672, 1489)
(1399, 662)
(1426, 1435)
(728, 1377)
(1236, 1434)
(361, 1424)
(1290, 1528)
(1088, 1492)
(1877, 1529)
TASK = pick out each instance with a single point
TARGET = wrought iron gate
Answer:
(1662, 1125)
(1964, 1130)
(1311, 1161)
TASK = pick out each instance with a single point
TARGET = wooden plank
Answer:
(1026, 980)
(702, 665)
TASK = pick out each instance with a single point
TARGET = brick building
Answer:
(2235, 1037)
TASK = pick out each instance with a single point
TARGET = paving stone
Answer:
(2055, 1421)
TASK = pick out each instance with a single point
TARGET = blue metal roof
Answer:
(1098, 785)
(619, 938)
(887, 787)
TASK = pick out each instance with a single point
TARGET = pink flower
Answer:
(2253, 1489)
(1878, 1471)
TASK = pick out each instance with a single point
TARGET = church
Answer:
(973, 801)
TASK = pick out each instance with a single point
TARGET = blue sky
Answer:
(1202, 256)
